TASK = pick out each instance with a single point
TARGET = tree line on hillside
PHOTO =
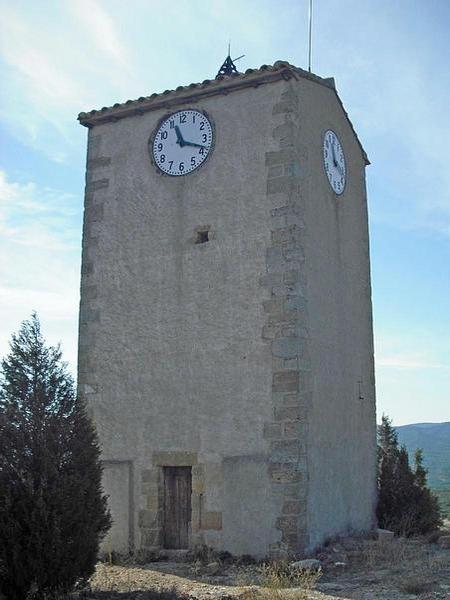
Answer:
(53, 513)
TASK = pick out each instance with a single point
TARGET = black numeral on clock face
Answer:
(202, 125)
(182, 118)
(164, 135)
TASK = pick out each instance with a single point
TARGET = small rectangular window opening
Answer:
(202, 237)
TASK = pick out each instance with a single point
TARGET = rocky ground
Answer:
(350, 568)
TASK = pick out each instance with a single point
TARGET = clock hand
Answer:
(335, 163)
(339, 168)
(193, 144)
(180, 139)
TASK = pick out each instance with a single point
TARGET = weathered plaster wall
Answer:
(341, 419)
(237, 357)
(171, 343)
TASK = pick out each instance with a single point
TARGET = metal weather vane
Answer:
(228, 67)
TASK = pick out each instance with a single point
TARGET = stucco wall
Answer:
(341, 420)
(232, 357)
(177, 352)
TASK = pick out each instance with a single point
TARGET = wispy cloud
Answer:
(412, 373)
(54, 69)
(415, 349)
(101, 27)
(408, 362)
(391, 79)
(44, 77)
(39, 261)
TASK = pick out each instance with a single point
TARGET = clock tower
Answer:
(225, 346)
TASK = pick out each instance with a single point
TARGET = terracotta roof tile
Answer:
(220, 85)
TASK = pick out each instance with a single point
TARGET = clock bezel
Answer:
(155, 131)
(326, 131)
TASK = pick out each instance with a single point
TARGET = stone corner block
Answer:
(285, 381)
(148, 519)
(281, 473)
(175, 459)
(272, 431)
(150, 476)
(211, 520)
(150, 538)
(288, 347)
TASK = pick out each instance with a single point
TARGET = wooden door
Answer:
(177, 506)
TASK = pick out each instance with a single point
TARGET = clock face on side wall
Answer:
(334, 162)
(182, 142)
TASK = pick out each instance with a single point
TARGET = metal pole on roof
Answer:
(310, 15)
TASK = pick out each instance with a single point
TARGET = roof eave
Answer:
(186, 94)
(281, 70)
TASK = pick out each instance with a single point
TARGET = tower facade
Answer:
(225, 344)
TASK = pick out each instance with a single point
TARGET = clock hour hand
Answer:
(339, 168)
(180, 139)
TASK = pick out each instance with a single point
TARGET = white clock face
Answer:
(182, 142)
(334, 161)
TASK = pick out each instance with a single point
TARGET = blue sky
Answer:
(390, 62)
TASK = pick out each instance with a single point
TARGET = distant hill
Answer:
(434, 439)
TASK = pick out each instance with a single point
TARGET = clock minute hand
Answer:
(193, 144)
(334, 155)
(335, 161)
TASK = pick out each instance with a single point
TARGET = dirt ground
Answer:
(351, 568)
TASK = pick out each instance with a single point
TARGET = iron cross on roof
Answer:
(228, 67)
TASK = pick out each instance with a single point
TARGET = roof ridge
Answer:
(278, 66)
(222, 84)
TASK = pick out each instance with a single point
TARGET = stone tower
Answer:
(225, 342)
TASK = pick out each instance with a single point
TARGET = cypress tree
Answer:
(428, 513)
(387, 472)
(405, 504)
(420, 473)
(53, 513)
